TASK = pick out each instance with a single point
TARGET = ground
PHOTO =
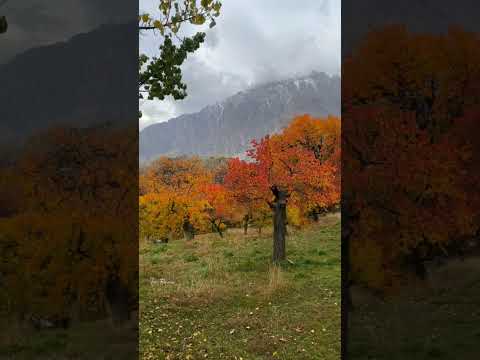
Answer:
(98, 340)
(222, 299)
(433, 319)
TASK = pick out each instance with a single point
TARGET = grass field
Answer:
(221, 299)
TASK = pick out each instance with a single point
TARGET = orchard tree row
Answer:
(288, 178)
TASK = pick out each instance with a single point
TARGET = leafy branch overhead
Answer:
(162, 76)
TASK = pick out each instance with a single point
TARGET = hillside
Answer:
(226, 128)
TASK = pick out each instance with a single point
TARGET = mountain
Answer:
(89, 80)
(226, 128)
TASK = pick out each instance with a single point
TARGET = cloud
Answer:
(167, 111)
(254, 42)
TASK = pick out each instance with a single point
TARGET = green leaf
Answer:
(160, 77)
(158, 25)
(198, 19)
(164, 6)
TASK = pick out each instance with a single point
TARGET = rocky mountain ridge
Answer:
(227, 128)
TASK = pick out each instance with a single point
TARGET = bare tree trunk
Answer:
(188, 229)
(279, 208)
(117, 295)
(217, 227)
(246, 219)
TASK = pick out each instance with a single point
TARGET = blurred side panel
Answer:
(69, 179)
(410, 196)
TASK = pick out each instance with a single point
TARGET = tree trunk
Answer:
(279, 208)
(188, 229)
(246, 219)
(217, 228)
(117, 295)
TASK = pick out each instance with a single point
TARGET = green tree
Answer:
(161, 76)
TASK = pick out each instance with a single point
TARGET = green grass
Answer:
(222, 299)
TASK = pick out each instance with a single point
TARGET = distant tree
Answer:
(3, 20)
(250, 194)
(172, 203)
(161, 76)
(219, 207)
(218, 166)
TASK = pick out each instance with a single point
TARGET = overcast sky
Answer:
(254, 42)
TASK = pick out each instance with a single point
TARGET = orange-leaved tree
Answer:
(172, 202)
(249, 191)
(300, 166)
(409, 121)
(219, 207)
(64, 222)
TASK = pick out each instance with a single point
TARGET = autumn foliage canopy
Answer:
(410, 146)
(183, 193)
(68, 204)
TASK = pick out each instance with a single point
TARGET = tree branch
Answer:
(168, 24)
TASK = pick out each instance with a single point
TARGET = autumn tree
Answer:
(219, 206)
(242, 179)
(162, 76)
(408, 99)
(172, 200)
(218, 167)
(298, 166)
(64, 222)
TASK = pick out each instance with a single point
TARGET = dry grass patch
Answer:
(276, 282)
(199, 292)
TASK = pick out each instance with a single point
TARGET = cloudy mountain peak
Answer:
(227, 127)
